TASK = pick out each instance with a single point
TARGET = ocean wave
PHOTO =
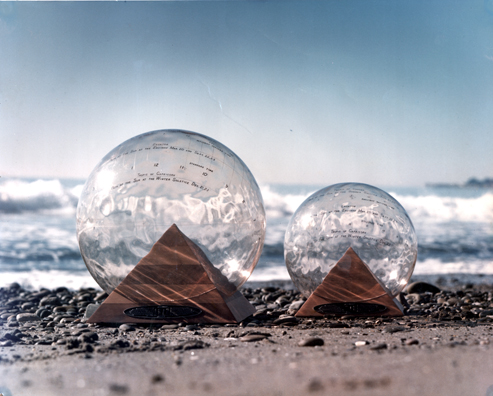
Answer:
(425, 207)
(18, 196)
(432, 266)
(280, 205)
(446, 209)
(51, 279)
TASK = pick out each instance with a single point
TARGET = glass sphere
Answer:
(157, 179)
(354, 215)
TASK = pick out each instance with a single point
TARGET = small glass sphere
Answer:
(157, 179)
(354, 215)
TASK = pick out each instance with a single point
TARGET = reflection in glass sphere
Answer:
(151, 181)
(353, 215)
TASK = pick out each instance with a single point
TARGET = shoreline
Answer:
(446, 281)
(452, 281)
(444, 345)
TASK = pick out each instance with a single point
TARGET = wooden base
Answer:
(350, 288)
(174, 283)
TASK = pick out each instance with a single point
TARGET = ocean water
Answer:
(38, 246)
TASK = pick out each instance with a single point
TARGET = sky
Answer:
(393, 93)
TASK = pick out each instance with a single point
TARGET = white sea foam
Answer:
(17, 196)
(38, 246)
(433, 208)
(36, 279)
(280, 205)
(437, 267)
(269, 273)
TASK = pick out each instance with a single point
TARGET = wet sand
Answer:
(443, 346)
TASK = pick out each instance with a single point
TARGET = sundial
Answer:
(155, 189)
(350, 248)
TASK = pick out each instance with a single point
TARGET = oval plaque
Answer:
(350, 308)
(162, 312)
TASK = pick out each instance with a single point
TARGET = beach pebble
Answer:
(119, 344)
(411, 341)
(14, 302)
(27, 305)
(360, 343)
(12, 336)
(119, 389)
(379, 346)
(27, 317)
(338, 325)
(49, 300)
(422, 287)
(296, 305)
(414, 298)
(126, 327)
(253, 337)
(156, 378)
(192, 344)
(88, 337)
(311, 342)
(42, 313)
(39, 295)
(486, 313)
(286, 320)
(315, 385)
(192, 327)
(170, 327)
(393, 329)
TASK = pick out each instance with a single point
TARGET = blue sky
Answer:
(320, 92)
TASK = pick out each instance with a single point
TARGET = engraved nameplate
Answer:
(162, 312)
(350, 308)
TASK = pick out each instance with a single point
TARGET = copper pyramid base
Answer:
(174, 283)
(350, 288)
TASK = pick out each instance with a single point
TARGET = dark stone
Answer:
(315, 385)
(192, 344)
(170, 327)
(311, 342)
(27, 317)
(126, 327)
(393, 329)
(253, 337)
(43, 313)
(88, 337)
(156, 378)
(192, 327)
(72, 343)
(11, 336)
(120, 389)
(14, 286)
(119, 344)
(49, 300)
(379, 346)
(101, 296)
(286, 320)
(337, 325)
(90, 309)
(422, 287)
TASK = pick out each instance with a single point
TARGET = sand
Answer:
(413, 355)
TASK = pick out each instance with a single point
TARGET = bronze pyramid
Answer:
(350, 288)
(175, 282)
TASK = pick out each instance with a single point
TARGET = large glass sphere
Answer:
(354, 215)
(157, 179)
